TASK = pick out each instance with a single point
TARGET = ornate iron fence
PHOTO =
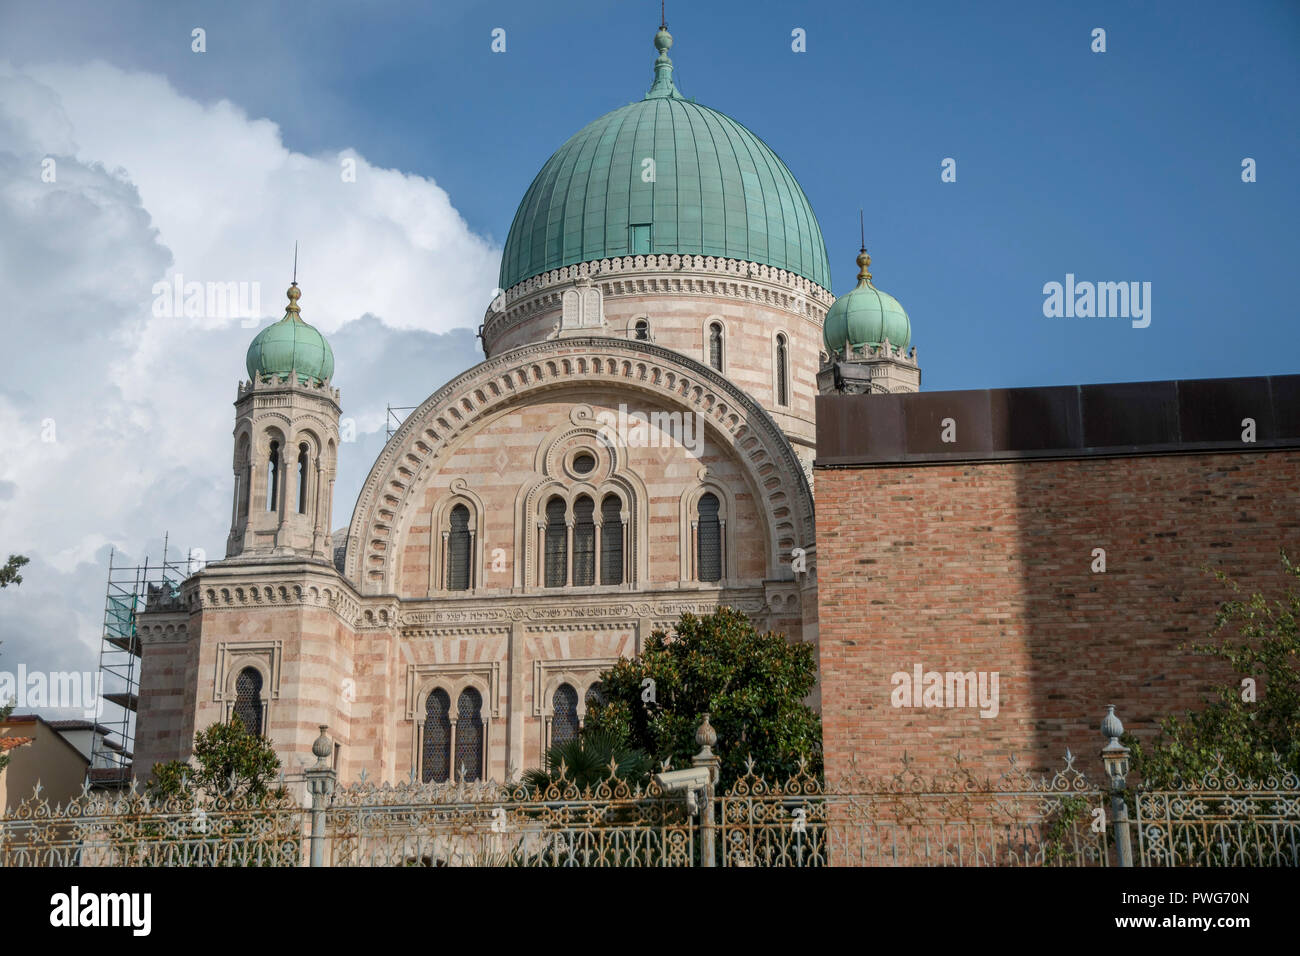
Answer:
(955, 819)
(129, 829)
(1221, 819)
(489, 824)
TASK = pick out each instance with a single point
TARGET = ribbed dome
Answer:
(714, 189)
(865, 316)
(291, 345)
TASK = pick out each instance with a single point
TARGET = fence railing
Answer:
(956, 818)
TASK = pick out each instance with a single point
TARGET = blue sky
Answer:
(1115, 166)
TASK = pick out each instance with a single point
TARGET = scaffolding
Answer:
(131, 591)
(394, 421)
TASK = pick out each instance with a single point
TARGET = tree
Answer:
(1252, 718)
(752, 686)
(586, 760)
(229, 761)
(9, 573)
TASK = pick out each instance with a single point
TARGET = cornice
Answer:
(660, 275)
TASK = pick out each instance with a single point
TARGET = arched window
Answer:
(436, 755)
(272, 476)
(611, 540)
(641, 330)
(595, 696)
(469, 735)
(584, 541)
(458, 548)
(715, 345)
(782, 389)
(557, 544)
(243, 477)
(302, 478)
(709, 539)
(248, 700)
(564, 722)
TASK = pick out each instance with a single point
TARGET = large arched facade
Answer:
(646, 379)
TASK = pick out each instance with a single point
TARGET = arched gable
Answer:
(734, 420)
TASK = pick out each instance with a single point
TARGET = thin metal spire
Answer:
(295, 262)
(862, 226)
(663, 20)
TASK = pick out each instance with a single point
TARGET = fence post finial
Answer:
(320, 784)
(1115, 757)
(706, 737)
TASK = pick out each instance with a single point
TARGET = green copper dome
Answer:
(291, 345)
(664, 175)
(865, 316)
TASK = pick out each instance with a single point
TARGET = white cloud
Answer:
(150, 183)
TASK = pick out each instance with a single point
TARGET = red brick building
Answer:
(960, 532)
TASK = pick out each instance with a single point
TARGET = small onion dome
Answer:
(291, 345)
(865, 316)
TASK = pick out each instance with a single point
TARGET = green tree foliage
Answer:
(586, 760)
(228, 761)
(9, 575)
(1258, 639)
(9, 572)
(752, 685)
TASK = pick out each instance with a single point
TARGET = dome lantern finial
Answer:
(663, 84)
(864, 260)
(294, 294)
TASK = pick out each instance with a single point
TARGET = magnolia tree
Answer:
(753, 687)
(228, 761)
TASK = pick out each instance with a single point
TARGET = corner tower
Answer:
(286, 443)
(867, 334)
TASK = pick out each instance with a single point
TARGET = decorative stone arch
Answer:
(690, 515)
(736, 423)
(307, 434)
(268, 432)
(458, 493)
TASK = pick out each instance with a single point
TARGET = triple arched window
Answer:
(580, 550)
(453, 747)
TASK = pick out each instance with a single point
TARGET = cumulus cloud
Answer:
(116, 413)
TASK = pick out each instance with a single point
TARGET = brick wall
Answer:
(987, 567)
